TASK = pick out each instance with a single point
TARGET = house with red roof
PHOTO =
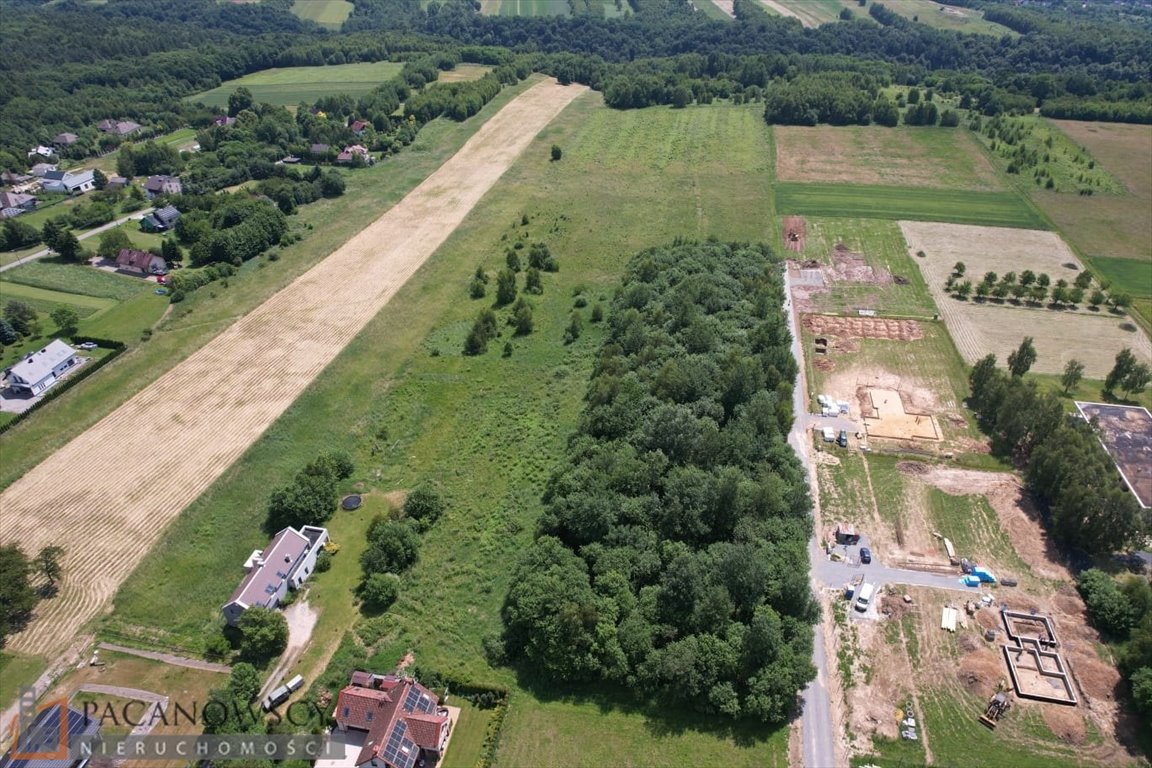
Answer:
(404, 724)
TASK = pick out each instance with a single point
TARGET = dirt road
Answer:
(108, 495)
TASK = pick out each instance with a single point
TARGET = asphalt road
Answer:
(817, 729)
(137, 215)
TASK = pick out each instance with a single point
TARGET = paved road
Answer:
(168, 658)
(819, 738)
(82, 236)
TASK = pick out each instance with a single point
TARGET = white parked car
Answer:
(87, 345)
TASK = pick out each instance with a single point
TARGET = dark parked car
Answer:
(842, 441)
(865, 555)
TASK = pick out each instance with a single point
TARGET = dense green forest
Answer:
(137, 59)
(671, 556)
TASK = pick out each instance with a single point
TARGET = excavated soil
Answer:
(863, 327)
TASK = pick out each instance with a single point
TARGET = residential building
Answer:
(17, 200)
(139, 262)
(359, 126)
(41, 151)
(116, 182)
(353, 151)
(40, 170)
(69, 183)
(319, 149)
(405, 724)
(53, 737)
(160, 220)
(118, 127)
(286, 563)
(15, 179)
(65, 139)
(40, 370)
(163, 185)
(224, 121)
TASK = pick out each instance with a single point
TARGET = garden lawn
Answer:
(949, 17)
(468, 735)
(994, 209)
(486, 430)
(289, 86)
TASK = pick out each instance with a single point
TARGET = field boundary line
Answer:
(174, 438)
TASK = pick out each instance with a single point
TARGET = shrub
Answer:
(1108, 606)
(424, 505)
(380, 590)
(265, 633)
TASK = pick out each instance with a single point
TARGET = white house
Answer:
(69, 183)
(40, 370)
(286, 563)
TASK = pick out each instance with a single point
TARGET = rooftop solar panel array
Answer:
(400, 751)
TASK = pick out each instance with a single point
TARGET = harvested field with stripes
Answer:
(107, 496)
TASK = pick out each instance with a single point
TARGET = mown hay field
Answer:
(1109, 226)
(289, 86)
(902, 157)
(489, 430)
(173, 439)
(999, 209)
(982, 328)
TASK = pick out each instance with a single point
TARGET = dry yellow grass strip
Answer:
(107, 496)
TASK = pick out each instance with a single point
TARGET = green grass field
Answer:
(812, 13)
(944, 16)
(1130, 276)
(487, 430)
(326, 13)
(996, 209)
(709, 9)
(525, 7)
(16, 672)
(206, 313)
(883, 247)
(74, 278)
(293, 85)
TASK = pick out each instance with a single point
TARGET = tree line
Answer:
(1084, 500)
(1122, 611)
(671, 554)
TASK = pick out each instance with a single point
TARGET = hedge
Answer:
(117, 348)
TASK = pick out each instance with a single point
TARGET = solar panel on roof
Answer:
(426, 704)
(410, 699)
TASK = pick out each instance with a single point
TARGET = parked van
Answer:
(865, 597)
(277, 697)
(294, 684)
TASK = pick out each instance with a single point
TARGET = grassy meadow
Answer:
(326, 13)
(325, 224)
(883, 247)
(289, 86)
(947, 17)
(487, 430)
(525, 7)
(904, 156)
(995, 209)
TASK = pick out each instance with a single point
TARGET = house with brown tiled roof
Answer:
(404, 724)
(352, 151)
(286, 563)
(139, 262)
(359, 126)
(118, 127)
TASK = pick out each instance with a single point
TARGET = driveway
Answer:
(301, 621)
(137, 215)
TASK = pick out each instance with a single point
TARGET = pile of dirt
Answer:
(980, 671)
(850, 267)
(864, 327)
(1066, 723)
(794, 233)
(913, 467)
(823, 364)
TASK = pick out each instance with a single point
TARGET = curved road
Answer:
(82, 236)
(818, 732)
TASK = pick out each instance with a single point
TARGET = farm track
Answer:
(108, 495)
